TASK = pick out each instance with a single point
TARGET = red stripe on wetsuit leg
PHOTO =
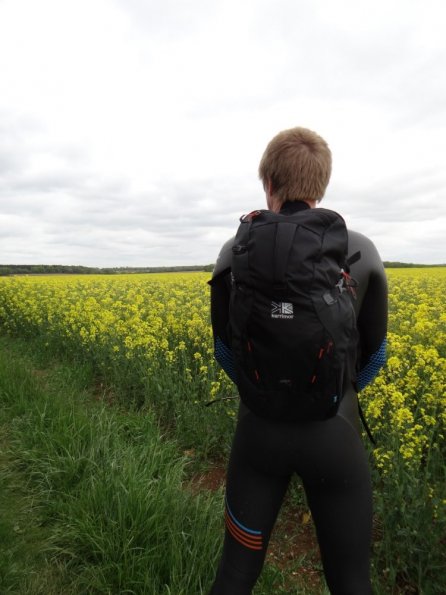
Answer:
(250, 541)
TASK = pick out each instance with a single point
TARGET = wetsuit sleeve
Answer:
(372, 321)
(220, 294)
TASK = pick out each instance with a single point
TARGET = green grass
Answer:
(92, 498)
(95, 497)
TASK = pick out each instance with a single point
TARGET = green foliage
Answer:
(409, 265)
(59, 269)
(109, 494)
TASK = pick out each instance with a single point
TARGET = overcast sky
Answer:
(131, 130)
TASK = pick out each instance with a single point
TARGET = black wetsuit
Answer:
(329, 456)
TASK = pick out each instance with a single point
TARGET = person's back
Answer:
(328, 455)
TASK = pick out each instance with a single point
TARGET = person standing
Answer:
(327, 453)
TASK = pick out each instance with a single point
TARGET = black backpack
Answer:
(292, 321)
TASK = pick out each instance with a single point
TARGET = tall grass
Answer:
(95, 499)
(108, 488)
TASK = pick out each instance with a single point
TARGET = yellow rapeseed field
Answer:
(129, 316)
(162, 320)
(157, 324)
(409, 397)
(152, 334)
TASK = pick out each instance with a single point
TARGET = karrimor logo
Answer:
(281, 310)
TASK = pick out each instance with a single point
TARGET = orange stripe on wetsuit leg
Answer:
(242, 541)
(254, 539)
(251, 542)
(249, 537)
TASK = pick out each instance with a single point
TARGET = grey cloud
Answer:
(76, 214)
(80, 219)
(410, 242)
(167, 20)
(126, 226)
(9, 163)
(414, 196)
(180, 213)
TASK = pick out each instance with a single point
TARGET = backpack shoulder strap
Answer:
(216, 278)
(239, 266)
(286, 233)
(354, 258)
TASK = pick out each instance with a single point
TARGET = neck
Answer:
(275, 204)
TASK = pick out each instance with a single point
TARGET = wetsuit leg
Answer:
(253, 500)
(330, 458)
(340, 500)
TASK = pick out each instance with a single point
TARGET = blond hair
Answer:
(297, 162)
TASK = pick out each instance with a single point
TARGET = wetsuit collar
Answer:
(289, 207)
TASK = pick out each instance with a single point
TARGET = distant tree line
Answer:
(57, 269)
(408, 265)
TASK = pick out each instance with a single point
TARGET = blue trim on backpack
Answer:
(224, 357)
(373, 366)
